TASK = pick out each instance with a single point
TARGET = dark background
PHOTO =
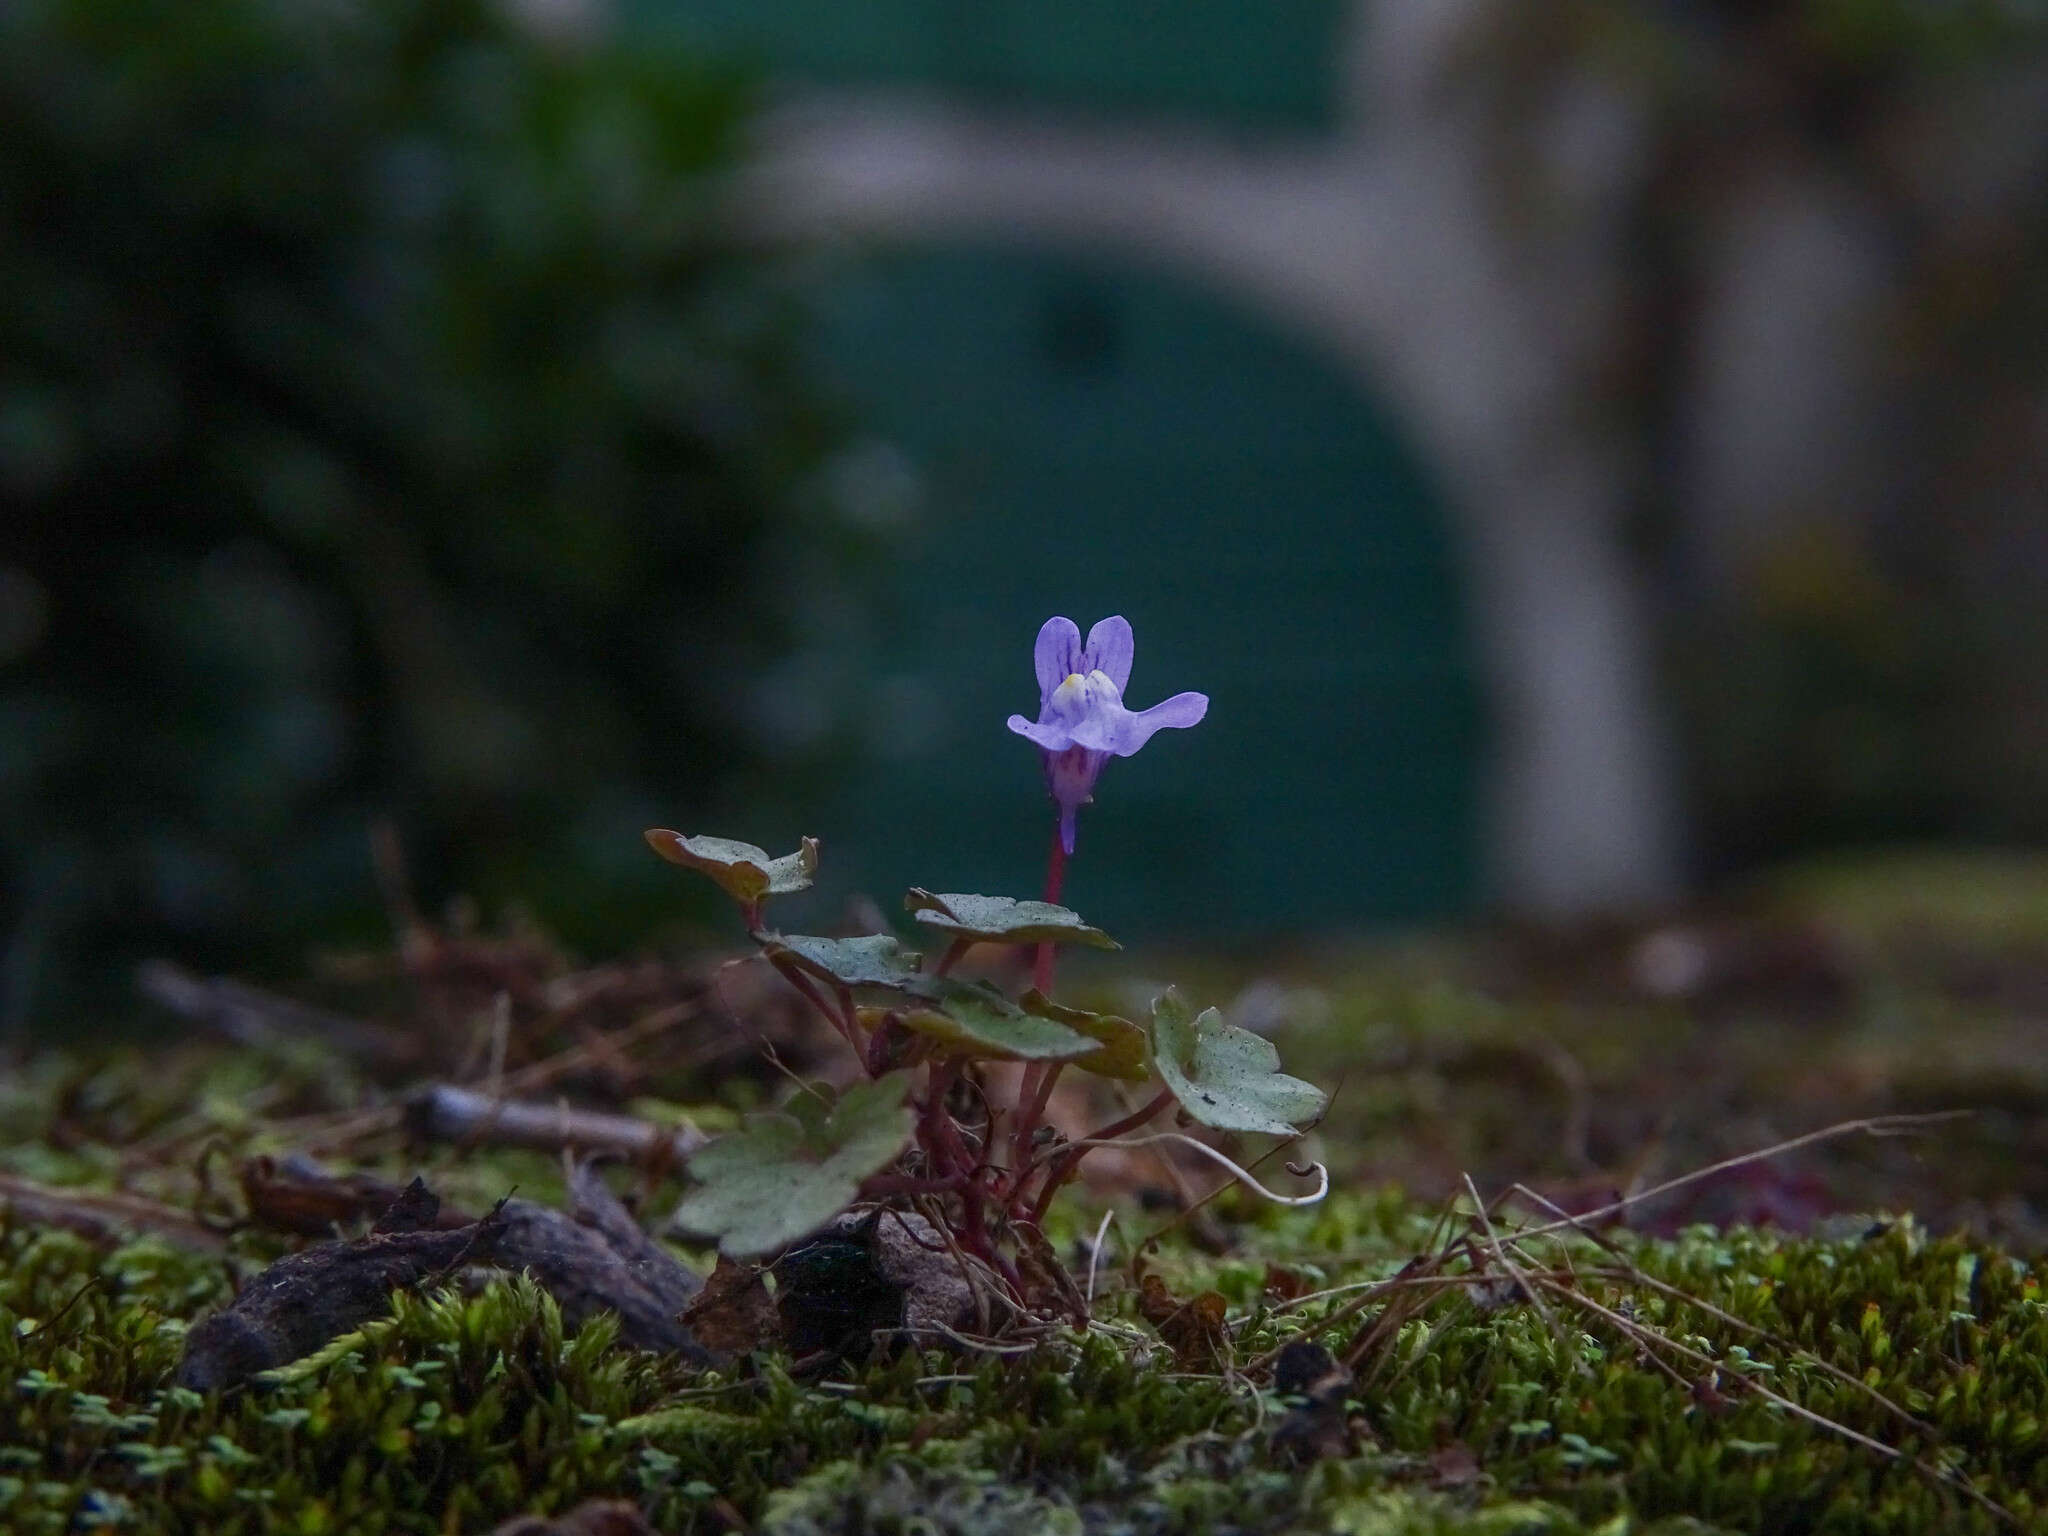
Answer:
(398, 429)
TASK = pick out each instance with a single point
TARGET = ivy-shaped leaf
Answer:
(1122, 1050)
(1225, 1077)
(877, 960)
(746, 873)
(974, 1022)
(788, 1173)
(1002, 919)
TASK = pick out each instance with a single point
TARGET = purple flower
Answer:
(1082, 722)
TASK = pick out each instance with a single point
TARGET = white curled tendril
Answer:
(1243, 1176)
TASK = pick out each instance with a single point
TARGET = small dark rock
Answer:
(1304, 1365)
(832, 1296)
(870, 1272)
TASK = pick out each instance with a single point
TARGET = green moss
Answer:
(458, 1411)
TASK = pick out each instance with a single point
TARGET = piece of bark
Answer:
(596, 1258)
(462, 1116)
(104, 1216)
(592, 1261)
(305, 1299)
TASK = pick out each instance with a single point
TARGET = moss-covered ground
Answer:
(1875, 1360)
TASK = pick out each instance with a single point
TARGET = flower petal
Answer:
(1100, 730)
(1177, 713)
(1056, 655)
(1111, 647)
(1049, 735)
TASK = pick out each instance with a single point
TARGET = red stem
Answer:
(952, 956)
(1035, 1092)
(938, 1144)
(1055, 878)
(948, 1155)
(843, 1023)
(882, 1185)
(1064, 1165)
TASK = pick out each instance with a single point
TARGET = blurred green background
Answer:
(387, 429)
(401, 425)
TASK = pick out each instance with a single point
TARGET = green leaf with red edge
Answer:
(875, 960)
(746, 873)
(1002, 919)
(977, 1022)
(1122, 1050)
(1225, 1077)
(788, 1173)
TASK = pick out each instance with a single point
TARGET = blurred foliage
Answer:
(388, 421)
(1873, 673)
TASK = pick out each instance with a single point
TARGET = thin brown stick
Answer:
(447, 1113)
(46, 1324)
(1500, 1253)
(263, 1020)
(1369, 1293)
(1874, 1125)
(1650, 1337)
(1626, 1269)
(545, 1073)
(102, 1216)
(1633, 1275)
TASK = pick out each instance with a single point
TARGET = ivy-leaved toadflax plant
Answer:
(977, 1161)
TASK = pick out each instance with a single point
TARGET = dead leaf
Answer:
(734, 1315)
(1453, 1466)
(1192, 1329)
(1284, 1284)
